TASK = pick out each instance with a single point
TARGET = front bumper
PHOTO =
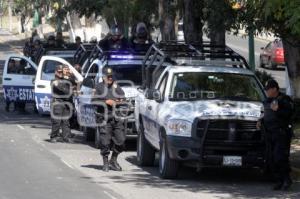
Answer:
(211, 155)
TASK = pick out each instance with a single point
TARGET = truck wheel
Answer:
(89, 134)
(97, 138)
(145, 152)
(168, 168)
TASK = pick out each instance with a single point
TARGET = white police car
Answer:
(199, 111)
(18, 79)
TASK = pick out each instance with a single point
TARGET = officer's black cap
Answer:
(107, 71)
(271, 84)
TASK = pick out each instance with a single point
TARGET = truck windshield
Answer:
(130, 72)
(49, 66)
(224, 86)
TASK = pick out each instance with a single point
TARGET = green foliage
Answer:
(219, 15)
(279, 16)
(125, 11)
(263, 76)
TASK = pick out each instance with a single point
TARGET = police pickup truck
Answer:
(127, 67)
(200, 106)
(24, 81)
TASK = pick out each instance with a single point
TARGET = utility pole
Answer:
(251, 49)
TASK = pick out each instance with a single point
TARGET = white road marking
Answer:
(20, 127)
(109, 195)
(67, 164)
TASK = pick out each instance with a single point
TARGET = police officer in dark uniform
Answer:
(141, 40)
(112, 135)
(115, 40)
(277, 122)
(61, 107)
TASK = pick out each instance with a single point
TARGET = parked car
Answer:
(272, 55)
(198, 111)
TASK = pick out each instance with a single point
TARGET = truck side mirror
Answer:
(153, 94)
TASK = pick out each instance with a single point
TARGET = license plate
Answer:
(232, 161)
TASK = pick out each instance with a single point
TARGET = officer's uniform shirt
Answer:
(61, 89)
(105, 92)
(109, 44)
(280, 118)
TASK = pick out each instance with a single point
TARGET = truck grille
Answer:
(229, 130)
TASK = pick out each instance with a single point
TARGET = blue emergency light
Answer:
(121, 56)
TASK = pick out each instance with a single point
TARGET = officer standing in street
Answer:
(277, 122)
(112, 135)
(61, 107)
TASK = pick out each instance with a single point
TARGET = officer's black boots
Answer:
(113, 164)
(105, 167)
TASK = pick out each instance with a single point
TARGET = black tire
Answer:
(97, 138)
(89, 134)
(145, 152)
(168, 168)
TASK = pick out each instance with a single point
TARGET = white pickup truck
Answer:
(25, 81)
(199, 113)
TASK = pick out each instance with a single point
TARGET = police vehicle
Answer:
(25, 81)
(200, 106)
(127, 68)
(18, 79)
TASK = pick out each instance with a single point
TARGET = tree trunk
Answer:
(217, 36)
(166, 21)
(192, 16)
(292, 59)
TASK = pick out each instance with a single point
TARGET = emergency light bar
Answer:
(121, 57)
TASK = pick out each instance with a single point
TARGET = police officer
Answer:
(277, 121)
(60, 106)
(141, 40)
(112, 135)
(114, 40)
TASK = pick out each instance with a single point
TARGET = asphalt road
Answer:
(29, 170)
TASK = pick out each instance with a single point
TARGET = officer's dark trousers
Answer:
(112, 137)
(280, 147)
(59, 120)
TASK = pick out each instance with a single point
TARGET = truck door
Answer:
(18, 79)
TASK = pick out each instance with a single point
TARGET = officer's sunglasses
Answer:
(59, 71)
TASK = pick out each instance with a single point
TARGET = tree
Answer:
(167, 16)
(220, 17)
(126, 12)
(283, 18)
(193, 20)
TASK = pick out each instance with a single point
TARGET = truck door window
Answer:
(90, 80)
(19, 66)
(163, 84)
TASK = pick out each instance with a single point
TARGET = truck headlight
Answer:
(179, 127)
